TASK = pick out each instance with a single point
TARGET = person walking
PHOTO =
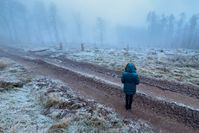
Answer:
(130, 79)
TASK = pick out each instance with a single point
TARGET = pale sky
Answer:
(124, 12)
(128, 11)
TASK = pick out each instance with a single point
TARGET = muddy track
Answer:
(182, 88)
(163, 115)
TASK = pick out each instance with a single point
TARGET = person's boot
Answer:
(126, 106)
(130, 106)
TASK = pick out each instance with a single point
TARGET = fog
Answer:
(100, 23)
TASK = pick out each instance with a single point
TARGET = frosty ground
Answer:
(38, 104)
(181, 65)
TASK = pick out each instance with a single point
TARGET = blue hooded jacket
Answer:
(130, 79)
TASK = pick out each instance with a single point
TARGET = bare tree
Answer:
(170, 29)
(4, 23)
(54, 22)
(153, 28)
(100, 30)
(193, 30)
(180, 31)
(78, 22)
(41, 21)
(12, 14)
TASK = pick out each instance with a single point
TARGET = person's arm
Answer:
(137, 79)
(122, 79)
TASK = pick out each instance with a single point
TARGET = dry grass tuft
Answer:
(1, 130)
(2, 65)
(76, 114)
(8, 85)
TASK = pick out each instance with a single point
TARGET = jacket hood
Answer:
(130, 68)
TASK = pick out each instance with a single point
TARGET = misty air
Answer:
(87, 66)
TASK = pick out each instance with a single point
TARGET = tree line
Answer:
(43, 24)
(172, 31)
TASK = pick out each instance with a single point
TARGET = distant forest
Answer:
(42, 24)
(166, 31)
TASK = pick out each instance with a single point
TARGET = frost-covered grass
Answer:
(12, 75)
(19, 111)
(175, 65)
(76, 114)
(45, 105)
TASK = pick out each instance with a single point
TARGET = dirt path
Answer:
(109, 96)
(101, 74)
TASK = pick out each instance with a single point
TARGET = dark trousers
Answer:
(129, 100)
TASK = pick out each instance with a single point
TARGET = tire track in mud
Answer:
(186, 89)
(160, 106)
(164, 116)
(182, 88)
